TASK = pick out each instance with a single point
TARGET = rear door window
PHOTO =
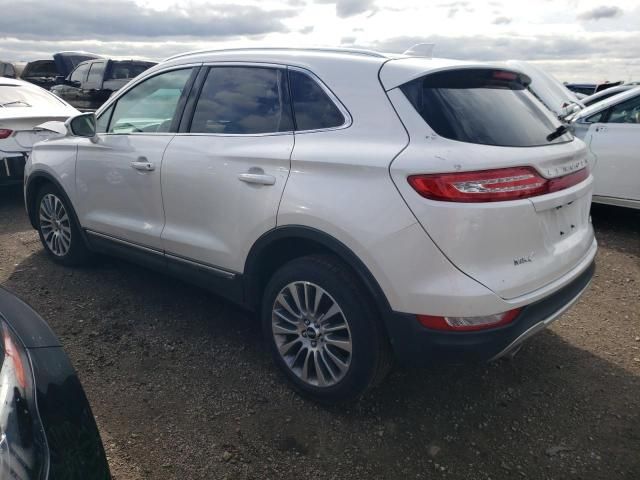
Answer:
(483, 106)
(243, 101)
(95, 74)
(313, 108)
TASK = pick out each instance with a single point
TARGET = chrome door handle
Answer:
(143, 166)
(257, 178)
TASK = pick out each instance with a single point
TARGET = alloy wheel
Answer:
(55, 225)
(311, 334)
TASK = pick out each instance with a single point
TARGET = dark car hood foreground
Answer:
(74, 444)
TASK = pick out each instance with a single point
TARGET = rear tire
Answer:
(323, 330)
(58, 229)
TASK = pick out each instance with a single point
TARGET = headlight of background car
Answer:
(23, 445)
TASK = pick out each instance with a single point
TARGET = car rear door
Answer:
(615, 142)
(118, 173)
(89, 94)
(223, 175)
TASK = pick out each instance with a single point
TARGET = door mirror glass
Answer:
(83, 125)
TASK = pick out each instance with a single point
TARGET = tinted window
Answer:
(95, 73)
(9, 70)
(626, 112)
(243, 100)
(80, 73)
(598, 117)
(44, 68)
(483, 106)
(126, 70)
(151, 105)
(312, 107)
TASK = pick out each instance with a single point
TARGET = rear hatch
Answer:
(500, 189)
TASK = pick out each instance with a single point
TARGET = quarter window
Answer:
(150, 106)
(243, 100)
(313, 109)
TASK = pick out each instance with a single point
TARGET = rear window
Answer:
(44, 68)
(126, 70)
(16, 96)
(483, 106)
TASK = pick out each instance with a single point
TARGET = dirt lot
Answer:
(183, 388)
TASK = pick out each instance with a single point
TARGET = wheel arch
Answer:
(286, 243)
(35, 182)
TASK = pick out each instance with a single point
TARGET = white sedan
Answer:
(24, 106)
(611, 129)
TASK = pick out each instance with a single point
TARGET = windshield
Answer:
(483, 106)
(12, 96)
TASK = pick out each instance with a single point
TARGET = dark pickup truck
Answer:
(47, 73)
(93, 81)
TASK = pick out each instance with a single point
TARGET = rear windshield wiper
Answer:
(14, 103)
(558, 132)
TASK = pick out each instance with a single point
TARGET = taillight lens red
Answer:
(5, 132)
(491, 185)
(468, 324)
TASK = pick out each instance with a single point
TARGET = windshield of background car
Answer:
(20, 96)
(483, 106)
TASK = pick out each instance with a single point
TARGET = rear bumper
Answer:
(416, 345)
(12, 169)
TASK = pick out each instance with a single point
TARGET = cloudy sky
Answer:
(576, 40)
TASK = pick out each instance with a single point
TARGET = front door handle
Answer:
(257, 178)
(143, 165)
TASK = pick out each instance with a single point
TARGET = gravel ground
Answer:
(183, 388)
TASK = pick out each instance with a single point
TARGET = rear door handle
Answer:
(143, 165)
(257, 178)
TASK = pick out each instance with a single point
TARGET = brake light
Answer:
(5, 132)
(468, 324)
(11, 352)
(491, 185)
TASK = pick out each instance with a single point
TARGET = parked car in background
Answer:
(47, 73)
(47, 430)
(606, 93)
(611, 129)
(92, 82)
(591, 88)
(8, 70)
(24, 106)
(550, 91)
(583, 88)
(302, 184)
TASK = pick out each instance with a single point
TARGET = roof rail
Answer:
(353, 51)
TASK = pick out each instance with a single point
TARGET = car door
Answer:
(118, 172)
(89, 92)
(615, 142)
(223, 175)
(70, 89)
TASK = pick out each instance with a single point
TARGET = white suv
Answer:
(365, 205)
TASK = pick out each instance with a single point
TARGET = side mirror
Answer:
(83, 125)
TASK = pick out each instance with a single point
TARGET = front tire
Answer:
(59, 232)
(323, 330)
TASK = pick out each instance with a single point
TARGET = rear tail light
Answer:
(5, 132)
(491, 185)
(467, 324)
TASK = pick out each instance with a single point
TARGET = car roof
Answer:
(4, 81)
(607, 92)
(398, 68)
(604, 104)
